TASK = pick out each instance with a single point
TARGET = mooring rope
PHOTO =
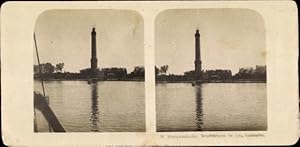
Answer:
(39, 65)
(41, 77)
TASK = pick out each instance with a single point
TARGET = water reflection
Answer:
(199, 111)
(94, 108)
(211, 107)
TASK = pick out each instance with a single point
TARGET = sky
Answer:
(229, 39)
(65, 36)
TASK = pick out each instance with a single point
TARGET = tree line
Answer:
(48, 68)
(49, 71)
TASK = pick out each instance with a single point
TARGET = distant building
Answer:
(190, 75)
(259, 73)
(138, 73)
(46, 68)
(88, 73)
(260, 69)
(218, 74)
(114, 73)
(251, 70)
(246, 70)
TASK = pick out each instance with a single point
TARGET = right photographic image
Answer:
(210, 70)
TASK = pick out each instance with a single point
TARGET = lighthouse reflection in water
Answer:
(94, 107)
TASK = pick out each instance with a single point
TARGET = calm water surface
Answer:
(110, 106)
(211, 106)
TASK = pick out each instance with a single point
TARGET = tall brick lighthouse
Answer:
(197, 62)
(94, 54)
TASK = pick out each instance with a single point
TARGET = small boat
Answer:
(198, 82)
(41, 103)
(92, 80)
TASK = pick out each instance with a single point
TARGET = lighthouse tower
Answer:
(197, 62)
(94, 53)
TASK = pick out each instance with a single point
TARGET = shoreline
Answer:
(87, 80)
(161, 82)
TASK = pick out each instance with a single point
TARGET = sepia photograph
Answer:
(144, 73)
(210, 70)
(88, 71)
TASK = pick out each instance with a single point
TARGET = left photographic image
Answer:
(88, 71)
